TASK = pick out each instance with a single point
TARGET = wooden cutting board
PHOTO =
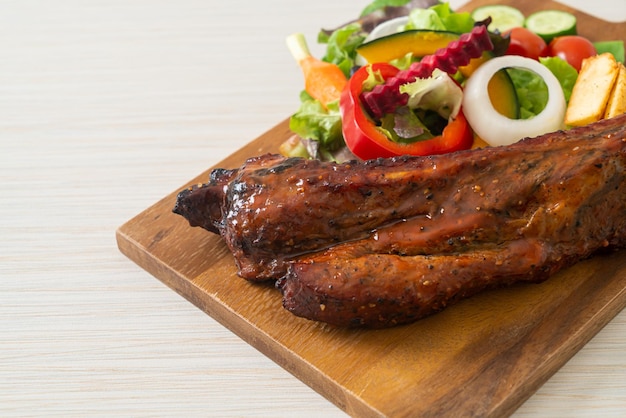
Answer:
(482, 357)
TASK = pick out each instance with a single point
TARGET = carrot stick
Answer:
(324, 81)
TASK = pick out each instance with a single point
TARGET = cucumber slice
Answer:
(503, 17)
(551, 23)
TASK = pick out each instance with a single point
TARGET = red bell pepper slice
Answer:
(367, 142)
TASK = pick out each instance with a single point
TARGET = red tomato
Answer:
(572, 48)
(526, 43)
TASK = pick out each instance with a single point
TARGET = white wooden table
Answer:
(106, 107)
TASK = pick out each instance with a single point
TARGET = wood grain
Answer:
(484, 356)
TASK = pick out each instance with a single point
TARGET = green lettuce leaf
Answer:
(440, 17)
(614, 47)
(432, 102)
(341, 46)
(532, 92)
(438, 93)
(373, 79)
(404, 126)
(564, 72)
(424, 19)
(314, 121)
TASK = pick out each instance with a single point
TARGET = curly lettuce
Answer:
(532, 92)
(440, 17)
(341, 46)
(316, 122)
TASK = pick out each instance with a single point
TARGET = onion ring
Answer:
(497, 129)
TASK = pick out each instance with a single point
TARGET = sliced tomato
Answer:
(526, 43)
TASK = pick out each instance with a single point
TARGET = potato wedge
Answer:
(592, 90)
(617, 100)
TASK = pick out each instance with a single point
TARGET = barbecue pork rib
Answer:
(388, 241)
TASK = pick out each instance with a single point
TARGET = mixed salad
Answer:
(412, 80)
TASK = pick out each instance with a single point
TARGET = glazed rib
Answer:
(382, 290)
(274, 209)
(388, 241)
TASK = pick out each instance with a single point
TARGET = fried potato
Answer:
(617, 100)
(591, 92)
